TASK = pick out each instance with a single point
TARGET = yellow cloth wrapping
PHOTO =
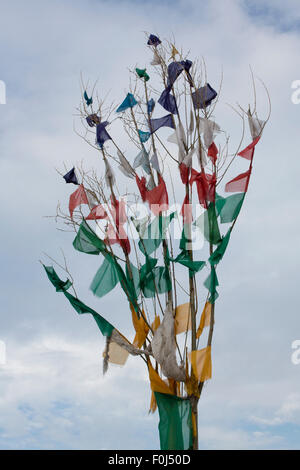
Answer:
(182, 318)
(205, 319)
(201, 363)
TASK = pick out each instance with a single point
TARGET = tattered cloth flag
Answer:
(142, 74)
(228, 208)
(203, 96)
(129, 102)
(218, 254)
(144, 136)
(239, 183)
(168, 101)
(77, 198)
(157, 198)
(248, 152)
(211, 284)
(71, 177)
(205, 319)
(150, 105)
(102, 134)
(183, 320)
(165, 121)
(206, 185)
(92, 120)
(88, 100)
(175, 425)
(98, 212)
(201, 363)
(142, 159)
(153, 40)
(256, 125)
(174, 70)
(114, 337)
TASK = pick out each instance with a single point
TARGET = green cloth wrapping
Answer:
(87, 241)
(175, 424)
(155, 233)
(104, 326)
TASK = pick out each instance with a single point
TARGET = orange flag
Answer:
(140, 327)
(182, 318)
(201, 363)
(205, 319)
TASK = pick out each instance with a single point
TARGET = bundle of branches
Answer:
(163, 232)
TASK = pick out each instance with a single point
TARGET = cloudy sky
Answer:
(52, 392)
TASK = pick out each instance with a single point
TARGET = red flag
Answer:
(96, 213)
(186, 211)
(239, 183)
(206, 185)
(157, 198)
(248, 152)
(184, 173)
(141, 183)
(212, 152)
(118, 211)
(77, 198)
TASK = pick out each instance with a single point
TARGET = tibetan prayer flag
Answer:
(201, 363)
(156, 382)
(256, 126)
(150, 106)
(87, 241)
(212, 152)
(104, 326)
(175, 425)
(60, 286)
(153, 40)
(239, 183)
(71, 177)
(174, 70)
(194, 266)
(168, 101)
(231, 207)
(208, 222)
(186, 210)
(140, 326)
(211, 284)
(206, 186)
(142, 159)
(77, 198)
(154, 162)
(184, 173)
(102, 134)
(157, 281)
(157, 198)
(92, 120)
(218, 254)
(155, 233)
(203, 96)
(88, 100)
(106, 278)
(98, 212)
(205, 319)
(165, 121)
(182, 321)
(144, 136)
(142, 74)
(129, 102)
(248, 152)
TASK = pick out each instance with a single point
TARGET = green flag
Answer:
(218, 254)
(87, 241)
(211, 284)
(175, 424)
(155, 233)
(104, 326)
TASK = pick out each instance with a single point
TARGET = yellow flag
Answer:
(205, 319)
(140, 327)
(155, 323)
(174, 52)
(182, 318)
(201, 363)
(156, 382)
